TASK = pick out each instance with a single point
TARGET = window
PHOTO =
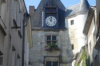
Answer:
(51, 39)
(72, 46)
(49, 63)
(51, 11)
(72, 22)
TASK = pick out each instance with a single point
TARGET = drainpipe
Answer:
(25, 20)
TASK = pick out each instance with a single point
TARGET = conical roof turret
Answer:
(84, 6)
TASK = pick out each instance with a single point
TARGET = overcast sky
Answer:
(65, 2)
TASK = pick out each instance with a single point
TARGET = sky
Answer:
(66, 3)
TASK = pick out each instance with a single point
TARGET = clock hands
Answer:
(51, 21)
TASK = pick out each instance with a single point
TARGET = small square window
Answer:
(55, 63)
(72, 47)
(48, 37)
(49, 63)
(51, 39)
(72, 22)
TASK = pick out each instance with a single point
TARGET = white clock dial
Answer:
(51, 21)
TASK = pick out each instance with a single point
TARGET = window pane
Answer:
(48, 42)
(53, 10)
(54, 42)
(72, 46)
(47, 10)
(48, 37)
(53, 37)
(55, 63)
(48, 63)
(1, 60)
(72, 22)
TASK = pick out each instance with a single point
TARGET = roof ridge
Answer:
(73, 5)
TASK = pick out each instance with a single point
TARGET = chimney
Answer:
(31, 10)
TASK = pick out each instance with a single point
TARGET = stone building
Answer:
(51, 44)
(90, 30)
(12, 17)
(76, 16)
(98, 25)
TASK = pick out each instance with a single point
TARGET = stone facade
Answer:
(90, 30)
(40, 54)
(67, 34)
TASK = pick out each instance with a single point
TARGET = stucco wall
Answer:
(77, 38)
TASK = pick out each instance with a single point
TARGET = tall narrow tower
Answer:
(51, 45)
(75, 20)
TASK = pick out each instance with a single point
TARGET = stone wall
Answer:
(38, 54)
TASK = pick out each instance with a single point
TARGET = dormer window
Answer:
(50, 16)
(50, 10)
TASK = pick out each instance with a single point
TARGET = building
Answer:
(90, 30)
(51, 44)
(98, 25)
(28, 41)
(12, 19)
(76, 16)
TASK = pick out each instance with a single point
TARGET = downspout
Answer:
(26, 16)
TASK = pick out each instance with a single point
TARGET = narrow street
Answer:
(49, 33)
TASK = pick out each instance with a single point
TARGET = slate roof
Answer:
(37, 17)
(72, 10)
(80, 8)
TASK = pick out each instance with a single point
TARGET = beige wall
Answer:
(91, 37)
(12, 38)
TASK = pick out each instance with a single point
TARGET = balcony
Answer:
(52, 47)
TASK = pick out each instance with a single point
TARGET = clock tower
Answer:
(51, 15)
(51, 45)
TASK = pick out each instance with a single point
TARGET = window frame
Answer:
(51, 39)
(51, 13)
(72, 22)
(72, 47)
(52, 62)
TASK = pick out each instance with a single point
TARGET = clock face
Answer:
(51, 21)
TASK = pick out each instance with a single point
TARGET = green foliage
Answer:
(84, 58)
(51, 47)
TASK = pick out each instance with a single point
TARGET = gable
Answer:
(37, 17)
